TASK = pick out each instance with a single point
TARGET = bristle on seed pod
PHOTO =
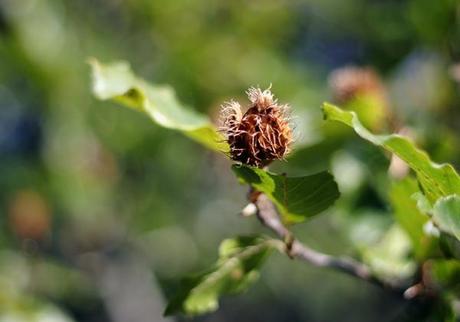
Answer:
(260, 135)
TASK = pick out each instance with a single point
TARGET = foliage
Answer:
(103, 212)
(235, 270)
(446, 214)
(436, 180)
(298, 198)
(117, 82)
(410, 217)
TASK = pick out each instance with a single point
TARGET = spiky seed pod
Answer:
(261, 134)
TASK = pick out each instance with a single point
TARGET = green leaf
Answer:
(436, 180)
(446, 215)
(423, 204)
(297, 198)
(408, 215)
(445, 273)
(236, 269)
(117, 82)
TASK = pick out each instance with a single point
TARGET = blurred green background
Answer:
(102, 211)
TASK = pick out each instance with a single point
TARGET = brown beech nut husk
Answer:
(260, 135)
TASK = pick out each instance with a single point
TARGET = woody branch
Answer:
(268, 216)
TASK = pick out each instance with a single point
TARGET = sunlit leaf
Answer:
(446, 215)
(117, 82)
(235, 270)
(297, 198)
(436, 180)
(408, 215)
(423, 204)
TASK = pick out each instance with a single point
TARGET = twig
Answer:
(268, 216)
